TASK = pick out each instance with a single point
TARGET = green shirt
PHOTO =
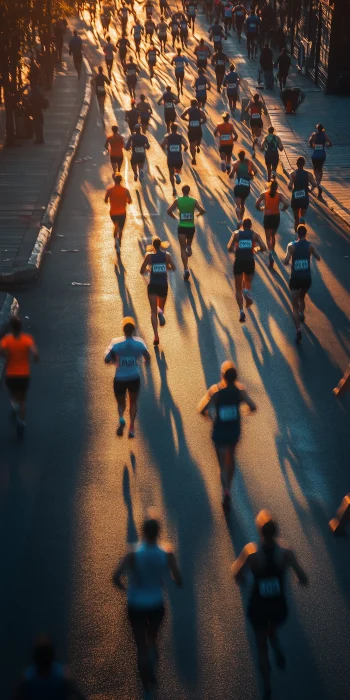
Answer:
(186, 207)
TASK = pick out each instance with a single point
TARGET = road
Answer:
(72, 495)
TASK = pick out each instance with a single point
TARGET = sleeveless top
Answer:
(138, 142)
(152, 56)
(201, 85)
(300, 189)
(242, 175)
(100, 84)
(301, 259)
(158, 269)
(272, 203)
(231, 82)
(268, 583)
(227, 416)
(194, 118)
(271, 143)
(244, 245)
(319, 146)
(255, 111)
(186, 207)
(174, 147)
(146, 578)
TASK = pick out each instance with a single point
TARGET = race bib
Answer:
(225, 137)
(231, 86)
(127, 362)
(186, 216)
(169, 105)
(194, 123)
(245, 243)
(269, 588)
(131, 71)
(301, 264)
(159, 267)
(243, 182)
(201, 89)
(239, 13)
(252, 27)
(139, 149)
(256, 115)
(220, 63)
(228, 413)
(299, 194)
(179, 65)
(174, 148)
(318, 147)
(100, 89)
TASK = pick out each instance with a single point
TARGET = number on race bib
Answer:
(100, 89)
(225, 137)
(159, 267)
(174, 149)
(186, 216)
(194, 123)
(318, 147)
(269, 588)
(139, 149)
(301, 264)
(127, 362)
(299, 194)
(256, 115)
(169, 105)
(243, 182)
(244, 243)
(228, 413)
(231, 86)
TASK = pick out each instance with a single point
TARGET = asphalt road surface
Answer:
(72, 495)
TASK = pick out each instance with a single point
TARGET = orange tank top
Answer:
(116, 144)
(226, 133)
(272, 203)
(119, 197)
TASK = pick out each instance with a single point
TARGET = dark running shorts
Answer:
(318, 163)
(195, 135)
(241, 267)
(302, 284)
(119, 219)
(241, 191)
(256, 122)
(301, 203)
(157, 290)
(187, 231)
(116, 160)
(271, 221)
(263, 613)
(18, 385)
(226, 149)
(121, 386)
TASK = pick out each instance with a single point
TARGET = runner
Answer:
(169, 100)
(225, 399)
(191, 13)
(299, 182)
(150, 28)
(105, 20)
(174, 143)
(76, 50)
(118, 197)
(271, 145)
(151, 57)
(157, 264)
(132, 116)
(100, 81)
(123, 13)
(179, 61)
(300, 252)
(201, 85)
(244, 170)
(195, 117)
(256, 108)
(131, 71)
(319, 141)
(252, 25)
(242, 243)
(270, 201)
(162, 31)
(175, 30)
(138, 143)
(239, 15)
(228, 13)
(46, 678)
(184, 31)
(147, 567)
(108, 50)
(216, 35)
(227, 135)
(149, 7)
(231, 83)
(123, 44)
(124, 352)
(137, 31)
(202, 53)
(267, 607)
(187, 206)
(19, 350)
(219, 60)
(146, 111)
(115, 144)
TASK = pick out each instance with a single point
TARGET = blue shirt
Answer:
(126, 352)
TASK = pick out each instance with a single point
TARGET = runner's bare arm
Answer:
(260, 242)
(246, 398)
(199, 208)
(184, 115)
(312, 180)
(259, 201)
(203, 116)
(184, 143)
(164, 143)
(232, 241)
(174, 569)
(238, 567)
(107, 197)
(207, 398)
(253, 168)
(288, 254)
(314, 252)
(34, 353)
(169, 262)
(280, 144)
(171, 209)
(121, 570)
(144, 264)
(285, 202)
(293, 562)
(291, 181)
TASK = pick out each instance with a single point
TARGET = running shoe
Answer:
(131, 432)
(194, 161)
(161, 318)
(121, 426)
(117, 246)
(141, 173)
(298, 337)
(241, 316)
(223, 166)
(188, 251)
(156, 341)
(198, 149)
(187, 275)
(177, 179)
(135, 178)
(174, 192)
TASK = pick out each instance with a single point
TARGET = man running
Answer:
(123, 44)
(19, 350)
(137, 31)
(228, 13)
(162, 31)
(118, 198)
(243, 170)
(115, 145)
(299, 182)
(100, 81)
(219, 60)
(268, 563)
(191, 13)
(252, 25)
(187, 206)
(270, 201)
(225, 399)
(132, 116)
(227, 135)
(174, 144)
(242, 243)
(231, 83)
(150, 28)
(109, 49)
(174, 27)
(195, 118)
(169, 100)
(146, 112)
(138, 143)
(256, 108)
(157, 264)
(319, 141)
(201, 85)
(216, 35)
(179, 61)
(183, 32)
(147, 567)
(131, 71)
(124, 352)
(76, 50)
(271, 145)
(239, 15)
(202, 53)
(151, 57)
(300, 252)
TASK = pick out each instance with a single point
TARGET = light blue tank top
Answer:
(146, 578)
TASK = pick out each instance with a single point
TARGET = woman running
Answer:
(256, 108)
(271, 145)
(244, 171)
(158, 263)
(319, 141)
(269, 201)
(225, 398)
(267, 607)
(242, 243)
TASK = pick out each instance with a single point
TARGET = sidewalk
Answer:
(28, 171)
(331, 110)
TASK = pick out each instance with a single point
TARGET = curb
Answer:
(29, 272)
(9, 306)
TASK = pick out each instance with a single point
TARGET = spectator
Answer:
(266, 62)
(76, 50)
(283, 64)
(38, 102)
